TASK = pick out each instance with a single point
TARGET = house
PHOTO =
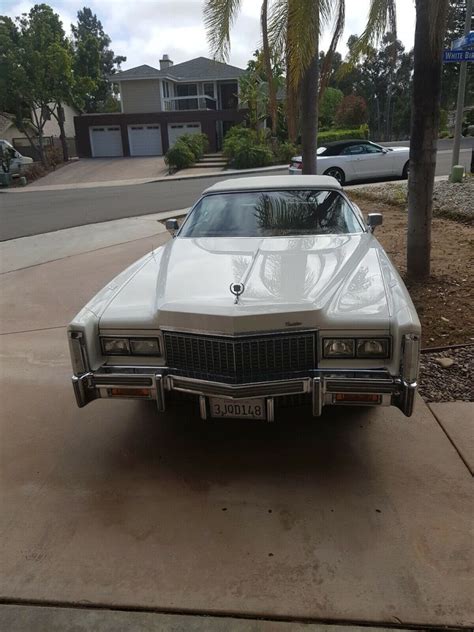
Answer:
(8, 128)
(159, 105)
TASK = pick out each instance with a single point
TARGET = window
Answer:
(166, 89)
(187, 90)
(271, 214)
(353, 150)
(209, 90)
(373, 149)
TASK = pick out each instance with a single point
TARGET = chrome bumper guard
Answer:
(321, 386)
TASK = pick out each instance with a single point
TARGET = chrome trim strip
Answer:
(160, 393)
(317, 397)
(203, 407)
(238, 391)
(270, 409)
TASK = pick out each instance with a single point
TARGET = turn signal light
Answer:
(129, 392)
(357, 398)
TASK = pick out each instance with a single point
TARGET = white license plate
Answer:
(237, 409)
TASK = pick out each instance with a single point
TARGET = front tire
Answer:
(406, 170)
(337, 173)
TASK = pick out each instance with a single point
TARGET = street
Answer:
(30, 213)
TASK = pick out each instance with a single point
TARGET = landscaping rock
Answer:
(445, 363)
(436, 384)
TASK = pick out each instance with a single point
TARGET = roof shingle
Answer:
(196, 69)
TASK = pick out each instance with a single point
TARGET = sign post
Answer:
(465, 41)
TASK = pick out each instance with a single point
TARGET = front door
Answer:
(373, 162)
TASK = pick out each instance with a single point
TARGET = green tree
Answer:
(328, 105)
(94, 62)
(37, 63)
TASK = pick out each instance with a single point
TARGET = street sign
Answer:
(467, 41)
(455, 56)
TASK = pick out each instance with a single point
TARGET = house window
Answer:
(166, 89)
(209, 90)
(187, 90)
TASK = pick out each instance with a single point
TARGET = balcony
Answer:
(197, 102)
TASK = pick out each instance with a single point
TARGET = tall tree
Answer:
(94, 61)
(429, 34)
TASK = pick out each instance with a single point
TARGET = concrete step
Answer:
(210, 165)
(212, 159)
(216, 155)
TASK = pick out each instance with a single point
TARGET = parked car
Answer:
(16, 160)
(349, 160)
(272, 287)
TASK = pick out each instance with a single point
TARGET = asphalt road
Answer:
(31, 213)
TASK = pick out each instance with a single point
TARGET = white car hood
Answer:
(317, 281)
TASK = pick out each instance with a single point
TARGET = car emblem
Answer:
(237, 289)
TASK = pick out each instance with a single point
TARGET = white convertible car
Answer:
(274, 290)
(349, 160)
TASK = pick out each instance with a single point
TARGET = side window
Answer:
(353, 150)
(372, 149)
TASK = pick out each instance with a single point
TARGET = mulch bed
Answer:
(444, 301)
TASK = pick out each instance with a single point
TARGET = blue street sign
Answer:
(455, 56)
(467, 41)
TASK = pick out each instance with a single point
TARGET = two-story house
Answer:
(157, 106)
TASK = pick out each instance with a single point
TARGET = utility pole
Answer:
(461, 91)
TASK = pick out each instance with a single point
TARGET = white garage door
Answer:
(106, 140)
(145, 140)
(175, 130)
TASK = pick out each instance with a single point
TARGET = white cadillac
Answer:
(349, 160)
(273, 290)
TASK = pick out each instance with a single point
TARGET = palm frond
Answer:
(304, 22)
(382, 18)
(336, 36)
(277, 23)
(219, 16)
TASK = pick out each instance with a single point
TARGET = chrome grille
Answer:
(240, 359)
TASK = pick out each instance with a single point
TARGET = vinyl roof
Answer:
(261, 183)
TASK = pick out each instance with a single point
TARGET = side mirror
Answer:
(384, 150)
(373, 220)
(172, 226)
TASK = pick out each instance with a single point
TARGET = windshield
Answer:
(270, 214)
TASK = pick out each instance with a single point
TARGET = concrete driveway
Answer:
(359, 516)
(88, 170)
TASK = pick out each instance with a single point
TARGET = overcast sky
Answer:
(143, 30)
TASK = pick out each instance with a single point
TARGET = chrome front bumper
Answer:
(321, 387)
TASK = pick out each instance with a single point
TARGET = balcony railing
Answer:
(197, 102)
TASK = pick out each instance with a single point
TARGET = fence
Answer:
(25, 148)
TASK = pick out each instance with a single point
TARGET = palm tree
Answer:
(429, 35)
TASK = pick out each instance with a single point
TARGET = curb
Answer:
(120, 183)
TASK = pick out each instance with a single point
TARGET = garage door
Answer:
(105, 141)
(175, 130)
(145, 140)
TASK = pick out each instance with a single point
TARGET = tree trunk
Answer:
(59, 116)
(429, 34)
(272, 100)
(309, 114)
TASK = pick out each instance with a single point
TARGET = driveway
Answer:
(88, 170)
(358, 516)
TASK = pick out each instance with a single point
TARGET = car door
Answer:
(375, 162)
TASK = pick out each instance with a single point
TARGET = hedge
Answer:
(361, 132)
(246, 148)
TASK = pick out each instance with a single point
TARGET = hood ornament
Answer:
(237, 289)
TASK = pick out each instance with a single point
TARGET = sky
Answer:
(143, 30)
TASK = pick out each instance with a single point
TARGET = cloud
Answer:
(143, 30)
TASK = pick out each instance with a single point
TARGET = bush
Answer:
(361, 132)
(187, 149)
(179, 156)
(285, 152)
(197, 143)
(245, 148)
(351, 111)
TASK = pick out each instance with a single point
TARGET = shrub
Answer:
(197, 143)
(179, 156)
(246, 148)
(286, 151)
(361, 132)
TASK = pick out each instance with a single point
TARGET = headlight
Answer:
(115, 346)
(131, 346)
(145, 346)
(356, 348)
(373, 348)
(338, 348)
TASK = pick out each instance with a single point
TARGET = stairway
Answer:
(211, 161)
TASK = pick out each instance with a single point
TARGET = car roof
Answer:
(262, 183)
(347, 143)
